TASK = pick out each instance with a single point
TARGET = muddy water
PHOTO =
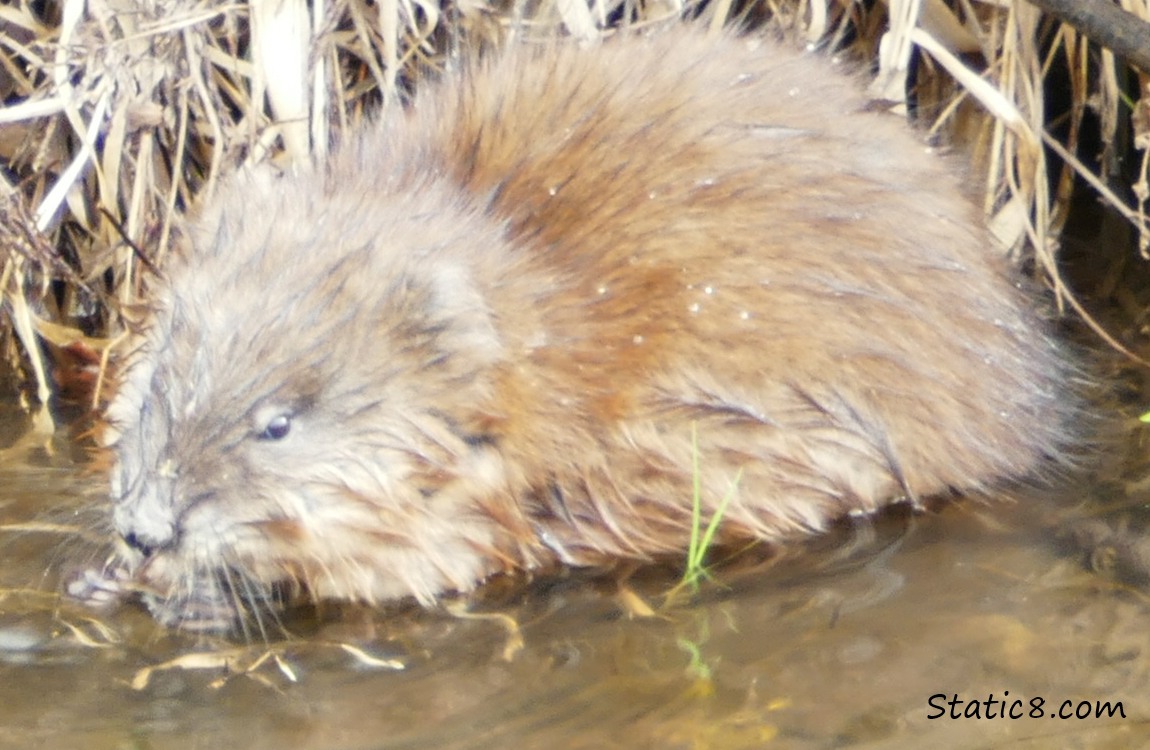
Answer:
(841, 644)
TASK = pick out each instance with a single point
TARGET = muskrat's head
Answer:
(309, 405)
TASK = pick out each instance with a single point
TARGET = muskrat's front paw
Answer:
(100, 588)
(109, 586)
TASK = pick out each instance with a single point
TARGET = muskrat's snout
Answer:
(143, 521)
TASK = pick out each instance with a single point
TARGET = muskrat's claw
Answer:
(100, 588)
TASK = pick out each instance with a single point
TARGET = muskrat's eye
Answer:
(277, 428)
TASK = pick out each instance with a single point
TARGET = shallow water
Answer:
(841, 644)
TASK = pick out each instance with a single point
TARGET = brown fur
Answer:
(494, 323)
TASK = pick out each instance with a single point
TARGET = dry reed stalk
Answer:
(120, 113)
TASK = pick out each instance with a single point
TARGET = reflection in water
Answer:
(841, 644)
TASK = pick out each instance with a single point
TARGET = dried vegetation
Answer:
(118, 114)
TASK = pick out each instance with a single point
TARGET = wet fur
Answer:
(495, 320)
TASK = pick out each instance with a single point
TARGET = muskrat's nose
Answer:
(145, 519)
(143, 543)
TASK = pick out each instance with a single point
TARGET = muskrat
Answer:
(500, 328)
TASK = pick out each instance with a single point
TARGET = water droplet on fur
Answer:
(693, 307)
(744, 315)
(553, 191)
(708, 290)
(602, 289)
(638, 339)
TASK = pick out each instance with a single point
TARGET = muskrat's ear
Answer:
(457, 302)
